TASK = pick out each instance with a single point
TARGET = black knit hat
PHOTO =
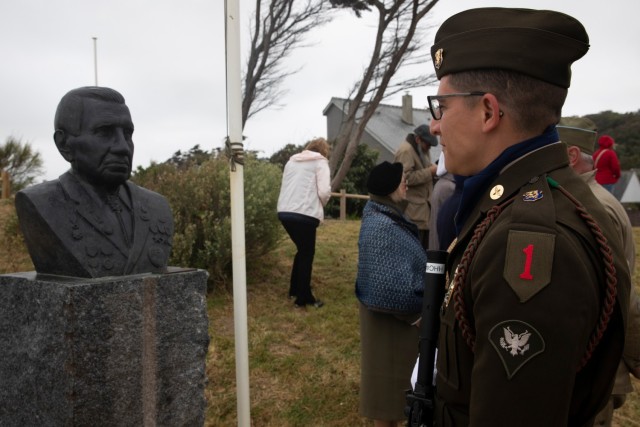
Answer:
(539, 43)
(384, 178)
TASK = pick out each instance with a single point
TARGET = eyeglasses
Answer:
(434, 102)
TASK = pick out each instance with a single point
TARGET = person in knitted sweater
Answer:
(389, 287)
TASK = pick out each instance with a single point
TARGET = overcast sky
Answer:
(167, 59)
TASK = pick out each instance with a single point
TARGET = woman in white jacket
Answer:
(305, 190)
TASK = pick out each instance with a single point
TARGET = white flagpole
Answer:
(234, 117)
(95, 59)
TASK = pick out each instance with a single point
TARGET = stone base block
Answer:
(125, 351)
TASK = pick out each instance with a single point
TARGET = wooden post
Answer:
(343, 204)
(6, 187)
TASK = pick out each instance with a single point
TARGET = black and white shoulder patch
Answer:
(516, 343)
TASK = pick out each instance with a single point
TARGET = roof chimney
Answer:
(407, 109)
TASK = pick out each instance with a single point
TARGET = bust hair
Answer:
(532, 103)
(70, 109)
(319, 145)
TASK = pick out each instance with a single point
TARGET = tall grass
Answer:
(304, 363)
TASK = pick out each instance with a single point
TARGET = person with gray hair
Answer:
(92, 221)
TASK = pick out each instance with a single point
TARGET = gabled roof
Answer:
(386, 124)
(627, 189)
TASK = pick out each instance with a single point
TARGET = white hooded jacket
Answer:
(306, 185)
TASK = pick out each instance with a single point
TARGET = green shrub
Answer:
(13, 251)
(200, 200)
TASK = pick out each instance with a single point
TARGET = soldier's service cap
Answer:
(539, 43)
(578, 131)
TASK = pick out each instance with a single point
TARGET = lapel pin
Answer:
(532, 196)
(496, 192)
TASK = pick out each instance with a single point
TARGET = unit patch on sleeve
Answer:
(516, 343)
(528, 262)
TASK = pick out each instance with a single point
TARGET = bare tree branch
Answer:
(279, 27)
(397, 44)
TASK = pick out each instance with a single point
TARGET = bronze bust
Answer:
(92, 221)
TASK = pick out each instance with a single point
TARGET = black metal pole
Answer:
(420, 399)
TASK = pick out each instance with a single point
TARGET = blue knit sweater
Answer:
(391, 261)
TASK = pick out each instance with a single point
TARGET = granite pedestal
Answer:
(114, 351)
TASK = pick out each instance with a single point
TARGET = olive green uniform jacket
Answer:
(530, 299)
(631, 355)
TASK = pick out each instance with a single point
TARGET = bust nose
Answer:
(121, 144)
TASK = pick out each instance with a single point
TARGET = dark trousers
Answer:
(304, 237)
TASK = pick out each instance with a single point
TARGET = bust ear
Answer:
(63, 146)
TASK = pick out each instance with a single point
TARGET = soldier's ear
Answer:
(574, 153)
(63, 145)
(491, 112)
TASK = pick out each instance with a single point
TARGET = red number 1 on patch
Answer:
(526, 274)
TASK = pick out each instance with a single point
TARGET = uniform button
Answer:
(496, 192)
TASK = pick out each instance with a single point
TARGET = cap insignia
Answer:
(439, 56)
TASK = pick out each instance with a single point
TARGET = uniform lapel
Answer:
(513, 177)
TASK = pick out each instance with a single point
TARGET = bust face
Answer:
(103, 152)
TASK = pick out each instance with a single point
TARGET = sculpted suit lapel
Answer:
(87, 209)
(84, 238)
(141, 218)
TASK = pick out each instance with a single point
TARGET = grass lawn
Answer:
(304, 363)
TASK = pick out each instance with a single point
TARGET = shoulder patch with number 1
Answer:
(529, 262)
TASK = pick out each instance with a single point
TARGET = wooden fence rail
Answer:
(343, 201)
(6, 188)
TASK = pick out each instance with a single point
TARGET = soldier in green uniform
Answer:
(532, 328)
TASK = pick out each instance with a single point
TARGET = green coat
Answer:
(532, 296)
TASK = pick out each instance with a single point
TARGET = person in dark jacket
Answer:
(534, 316)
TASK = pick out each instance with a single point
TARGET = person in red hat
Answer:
(605, 160)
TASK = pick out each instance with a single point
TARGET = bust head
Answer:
(93, 132)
